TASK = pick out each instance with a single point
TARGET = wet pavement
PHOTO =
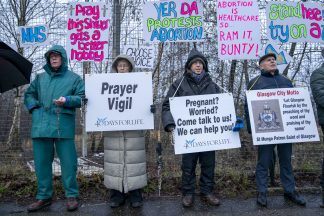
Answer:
(169, 206)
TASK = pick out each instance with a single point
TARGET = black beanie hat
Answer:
(197, 59)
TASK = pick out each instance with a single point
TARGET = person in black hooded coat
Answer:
(195, 81)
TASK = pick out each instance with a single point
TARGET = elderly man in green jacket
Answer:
(51, 99)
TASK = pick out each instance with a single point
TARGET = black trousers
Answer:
(265, 158)
(322, 176)
(207, 165)
(134, 195)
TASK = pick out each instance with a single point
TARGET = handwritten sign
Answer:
(33, 35)
(119, 101)
(295, 22)
(204, 123)
(282, 115)
(238, 26)
(143, 55)
(178, 20)
(88, 30)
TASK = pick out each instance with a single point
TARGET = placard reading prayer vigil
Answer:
(119, 101)
(33, 35)
(282, 115)
(177, 20)
(295, 21)
(204, 123)
(143, 55)
(238, 26)
(88, 31)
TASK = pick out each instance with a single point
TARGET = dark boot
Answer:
(295, 198)
(136, 198)
(39, 204)
(72, 204)
(117, 198)
(262, 199)
(322, 204)
(187, 200)
(211, 199)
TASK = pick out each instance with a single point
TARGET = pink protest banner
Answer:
(88, 31)
(238, 27)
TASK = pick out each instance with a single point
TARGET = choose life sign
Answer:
(177, 20)
(282, 115)
(88, 31)
(119, 101)
(295, 22)
(204, 123)
(238, 25)
(143, 55)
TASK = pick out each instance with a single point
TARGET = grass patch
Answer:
(18, 183)
(233, 183)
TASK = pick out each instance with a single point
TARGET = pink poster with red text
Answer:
(88, 31)
(238, 25)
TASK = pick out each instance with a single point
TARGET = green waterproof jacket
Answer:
(48, 119)
(317, 85)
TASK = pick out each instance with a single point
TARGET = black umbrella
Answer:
(15, 69)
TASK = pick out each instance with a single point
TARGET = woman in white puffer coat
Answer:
(125, 158)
